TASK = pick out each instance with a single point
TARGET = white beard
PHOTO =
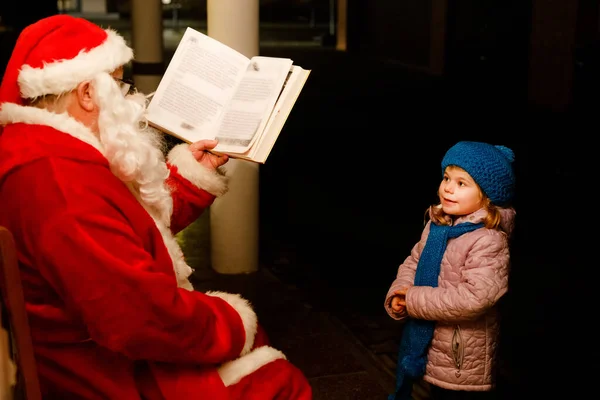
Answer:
(134, 152)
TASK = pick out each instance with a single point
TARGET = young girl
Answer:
(448, 287)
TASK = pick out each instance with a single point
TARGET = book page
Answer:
(293, 86)
(252, 103)
(198, 84)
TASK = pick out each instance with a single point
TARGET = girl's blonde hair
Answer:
(491, 221)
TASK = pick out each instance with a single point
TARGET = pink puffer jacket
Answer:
(473, 277)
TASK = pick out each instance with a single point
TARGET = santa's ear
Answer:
(84, 94)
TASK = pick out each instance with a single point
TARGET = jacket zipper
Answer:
(458, 350)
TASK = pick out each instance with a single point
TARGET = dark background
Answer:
(347, 184)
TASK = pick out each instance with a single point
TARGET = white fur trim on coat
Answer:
(11, 113)
(214, 183)
(247, 314)
(63, 76)
(180, 266)
(233, 371)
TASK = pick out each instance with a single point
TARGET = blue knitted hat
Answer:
(490, 166)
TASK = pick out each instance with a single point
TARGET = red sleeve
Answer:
(189, 201)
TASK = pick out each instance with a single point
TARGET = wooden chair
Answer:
(13, 303)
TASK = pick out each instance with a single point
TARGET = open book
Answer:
(211, 91)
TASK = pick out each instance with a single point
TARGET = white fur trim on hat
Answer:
(247, 314)
(214, 183)
(233, 371)
(64, 75)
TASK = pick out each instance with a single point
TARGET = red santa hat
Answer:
(55, 54)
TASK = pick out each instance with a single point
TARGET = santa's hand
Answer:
(201, 150)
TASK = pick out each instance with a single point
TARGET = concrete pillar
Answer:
(147, 43)
(234, 217)
(93, 6)
(341, 43)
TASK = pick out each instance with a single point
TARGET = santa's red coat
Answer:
(108, 319)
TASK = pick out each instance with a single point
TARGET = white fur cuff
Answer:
(213, 182)
(233, 371)
(247, 314)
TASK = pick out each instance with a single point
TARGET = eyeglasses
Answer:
(126, 86)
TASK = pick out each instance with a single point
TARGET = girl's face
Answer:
(458, 192)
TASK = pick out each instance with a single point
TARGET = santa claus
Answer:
(93, 206)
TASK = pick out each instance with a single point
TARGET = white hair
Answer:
(133, 149)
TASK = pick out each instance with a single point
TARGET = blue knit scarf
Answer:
(417, 334)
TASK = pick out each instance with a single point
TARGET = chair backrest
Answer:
(12, 297)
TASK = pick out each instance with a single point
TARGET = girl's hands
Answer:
(398, 302)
